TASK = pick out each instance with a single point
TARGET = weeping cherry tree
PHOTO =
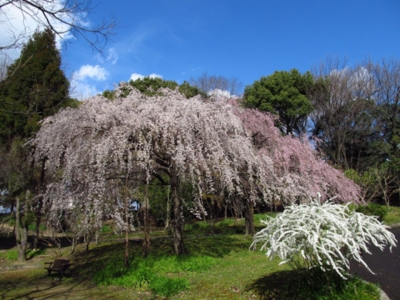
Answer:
(93, 154)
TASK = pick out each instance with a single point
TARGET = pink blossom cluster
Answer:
(300, 174)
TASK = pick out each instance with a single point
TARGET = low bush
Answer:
(373, 209)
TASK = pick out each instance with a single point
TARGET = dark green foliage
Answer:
(190, 91)
(373, 209)
(16, 175)
(151, 86)
(108, 94)
(158, 198)
(284, 94)
(35, 87)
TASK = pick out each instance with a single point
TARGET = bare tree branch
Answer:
(61, 17)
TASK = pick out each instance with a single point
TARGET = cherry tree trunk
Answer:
(146, 241)
(249, 218)
(177, 223)
(126, 254)
(168, 213)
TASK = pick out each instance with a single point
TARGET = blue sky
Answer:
(247, 39)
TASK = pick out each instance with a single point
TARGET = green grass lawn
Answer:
(219, 266)
(393, 216)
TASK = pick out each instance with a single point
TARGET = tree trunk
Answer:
(38, 211)
(87, 243)
(21, 233)
(146, 242)
(177, 223)
(74, 243)
(168, 215)
(37, 230)
(249, 218)
(126, 254)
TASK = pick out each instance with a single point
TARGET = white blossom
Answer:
(323, 235)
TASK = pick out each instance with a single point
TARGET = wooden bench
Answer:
(58, 265)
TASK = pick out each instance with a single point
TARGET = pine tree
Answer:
(35, 87)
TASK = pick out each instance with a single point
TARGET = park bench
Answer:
(58, 265)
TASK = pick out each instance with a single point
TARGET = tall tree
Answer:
(356, 122)
(387, 85)
(285, 95)
(129, 141)
(345, 115)
(35, 87)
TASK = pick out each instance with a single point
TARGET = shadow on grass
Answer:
(300, 284)
(86, 264)
(39, 286)
(278, 285)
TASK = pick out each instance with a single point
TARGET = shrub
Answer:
(322, 236)
(373, 209)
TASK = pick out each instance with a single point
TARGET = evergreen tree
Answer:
(35, 87)
(284, 94)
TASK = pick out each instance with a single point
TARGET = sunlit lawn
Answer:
(220, 266)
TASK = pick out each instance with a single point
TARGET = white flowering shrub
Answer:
(324, 236)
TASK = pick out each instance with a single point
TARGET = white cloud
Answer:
(82, 90)
(20, 23)
(88, 71)
(112, 56)
(136, 76)
(85, 81)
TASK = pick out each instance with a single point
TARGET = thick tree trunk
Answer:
(177, 223)
(21, 233)
(249, 218)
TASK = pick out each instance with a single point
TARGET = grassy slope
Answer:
(393, 216)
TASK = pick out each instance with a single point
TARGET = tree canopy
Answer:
(35, 87)
(285, 95)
